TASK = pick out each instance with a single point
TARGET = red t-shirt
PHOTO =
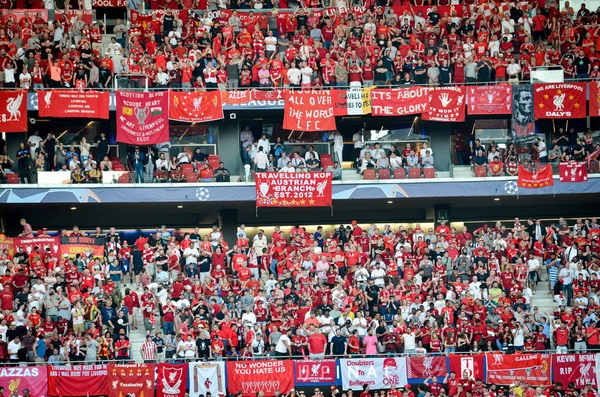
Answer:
(317, 343)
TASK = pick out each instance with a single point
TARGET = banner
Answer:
(597, 366)
(207, 377)
(251, 377)
(171, 380)
(490, 99)
(577, 368)
(446, 104)
(86, 15)
(195, 106)
(29, 244)
(236, 97)
(20, 13)
(353, 101)
(315, 372)
(110, 3)
(594, 98)
(424, 367)
(378, 373)
(293, 189)
(504, 369)
(560, 101)
(13, 108)
(7, 243)
(131, 380)
(77, 380)
(73, 245)
(523, 123)
(18, 378)
(400, 102)
(572, 172)
(142, 117)
(73, 103)
(308, 111)
(537, 179)
(472, 366)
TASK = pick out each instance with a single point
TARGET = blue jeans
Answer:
(450, 349)
(167, 328)
(139, 175)
(273, 267)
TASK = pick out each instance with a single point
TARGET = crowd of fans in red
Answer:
(343, 292)
(369, 44)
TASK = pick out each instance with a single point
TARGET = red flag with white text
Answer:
(399, 102)
(308, 111)
(130, 380)
(572, 172)
(489, 99)
(13, 111)
(505, 369)
(472, 366)
(535, 180)
(293, 189)
(73, 103)
(171, 380)
(594, 98)
(142, 117)
(195, 106)
(446, 104)
(559, 101)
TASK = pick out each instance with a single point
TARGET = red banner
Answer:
(86, 15)
(399, 102)
(236, 97)
(268, 95)
(110, 3)
(490, 99)
(576, 368)
(72, 246)
(535, 180)
(18, 378)
(7, 243)
(446, 104)
(308, 111)
(73, 103)
(13, 111)
(559, 101)
(29, 244)
(595, 98)
(572, 172)
(472, 366)
(424, 367)
(312, 372)
(171, 380)
(251, 377)
(131, 380)
(293, 189)
(195, 106)
(30, 14)
(533, 369)
(142, 117)
(77, 380)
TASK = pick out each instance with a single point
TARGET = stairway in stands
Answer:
(543, 299)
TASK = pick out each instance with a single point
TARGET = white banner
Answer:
(207, 377)
(378, 373)
(598, 368)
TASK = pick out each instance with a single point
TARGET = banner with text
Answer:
(29, 244)
(77, 380)
(13, 108)
(251, 377)
(293, 189)
(142, 117)
(535, 180)
(315, 372)
(15, 379)
(594, 98)
(195, 106)
(522, 122)
(171, 380)
(207, 377)
(473, 367)
(576, 368)
(308, 111)
(378, 373)
(73, 103)
(73, 245)
(490, 99)
(353, 101)
(446, 104)
(505, 369)
(131, 380)
(560, 101)
(572, 172)
(399, 102)
(110, 3)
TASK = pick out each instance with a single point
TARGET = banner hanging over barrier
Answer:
(72, 246)
(574, 368)
(353, 101)
(490, 99)
(196, 106)
(130, 380)
(251, 377)
(18, 378)
(400, 102)
(505, 369)
(73, 103)
(471, 366)
(171, 380)
(446, 104)
(78, 380)
(308, 111)
(378, 373)
(13, 111)
(293, 189)
(142, 117)
(560, 101)
(207, 377)
(572, 172)
(315, 372)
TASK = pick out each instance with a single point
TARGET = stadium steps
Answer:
(462, 171)
(543, 299)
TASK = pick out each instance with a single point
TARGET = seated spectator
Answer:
(480, 158)
(383, 161)
(94, 175)
(412, 161)
(221, 174)
(366, 163)
(313, 164)
(78, 174)
(298, 162)
(336, 171)
(177, 174)
(427, 160)
(496, 167)
(395, 160)
(106, 164)
(288, 167)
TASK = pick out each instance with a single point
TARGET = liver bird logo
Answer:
(558, 101)
(12, 106)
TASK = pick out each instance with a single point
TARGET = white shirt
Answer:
(281, 348)
(294, 75)
(266, 145)
(422, 152)
(542, 149)
(271, 43)
(307, 155)
(13, 347)
(307, 74)
(34, 143)
(533, 265)
(193, 253)
(357, 139)
(378, 275)
(409, 341)
(261, 160)
(513, 69)
(338, 141)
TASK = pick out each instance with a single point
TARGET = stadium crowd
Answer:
(346, 292)
(369, 44)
